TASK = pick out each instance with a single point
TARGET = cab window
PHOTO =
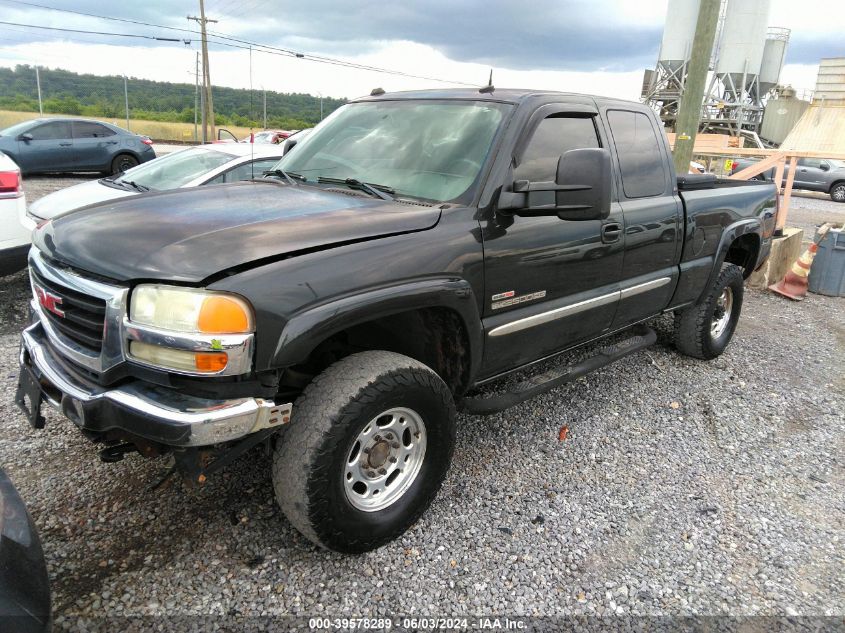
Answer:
(51, 131)
(554, 136)
(641, 159)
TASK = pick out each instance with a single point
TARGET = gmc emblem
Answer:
(49, 301)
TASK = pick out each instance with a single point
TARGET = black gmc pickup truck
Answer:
(342, 309)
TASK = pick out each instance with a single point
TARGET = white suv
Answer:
(14, 238)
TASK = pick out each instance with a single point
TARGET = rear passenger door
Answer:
(93, 145)
(651, 211)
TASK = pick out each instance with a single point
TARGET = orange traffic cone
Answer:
(794, 284)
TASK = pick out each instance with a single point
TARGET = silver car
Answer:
(192, 167)
(813, 174)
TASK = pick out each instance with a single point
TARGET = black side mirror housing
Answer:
(26, 137)
(824, 167)
(583, 180)
(582, 189)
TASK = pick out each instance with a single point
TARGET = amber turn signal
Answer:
(223, 315)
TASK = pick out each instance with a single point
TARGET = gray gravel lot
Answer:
(682, 487)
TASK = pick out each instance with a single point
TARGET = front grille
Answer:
(84, 316)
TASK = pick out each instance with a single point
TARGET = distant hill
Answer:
(65, 92)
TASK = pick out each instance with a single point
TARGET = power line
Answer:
(56, 28)
(265, 48)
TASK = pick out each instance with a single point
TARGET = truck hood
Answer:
(81, 195)
(190, 234)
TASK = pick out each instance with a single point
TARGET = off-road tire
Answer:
(837, 192)
(310, 459)
(122, 162)
(693, 325)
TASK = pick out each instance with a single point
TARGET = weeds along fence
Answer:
(164, 111)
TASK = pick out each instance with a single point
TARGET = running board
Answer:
(542, 383)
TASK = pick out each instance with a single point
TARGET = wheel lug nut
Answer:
(395, 444)
(371, 474)
(367, 450)
(389, 436)
(382, 471)
(377, 438)
(393, 460)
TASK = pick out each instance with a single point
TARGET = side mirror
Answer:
(26, 137)
(583, 178)
(581, 189)
(824, 167)
(289, 144)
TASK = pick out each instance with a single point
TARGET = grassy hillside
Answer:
(65, 92)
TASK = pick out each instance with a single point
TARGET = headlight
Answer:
(204, 332)
(189, 310)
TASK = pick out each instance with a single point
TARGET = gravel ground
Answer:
(681, 488)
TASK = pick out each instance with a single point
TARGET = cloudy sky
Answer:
(596, 46)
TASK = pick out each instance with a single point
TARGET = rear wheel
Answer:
(837, 192)
(122, 162)
(705, 329)
(368, 447)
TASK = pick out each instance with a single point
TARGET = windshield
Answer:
(836, 164)
(425, 149)
(176, 169)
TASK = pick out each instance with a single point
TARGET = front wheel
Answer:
(367, 449)
(705, 329)
(837, 192)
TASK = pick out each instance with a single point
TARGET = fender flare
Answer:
(308, 328)
(731, 233)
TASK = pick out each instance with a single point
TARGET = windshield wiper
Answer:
(134, 185)
(377, 191)
(290, 176)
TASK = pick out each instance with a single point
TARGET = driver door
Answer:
(550, 283)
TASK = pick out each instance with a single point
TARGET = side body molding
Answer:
(309, 327)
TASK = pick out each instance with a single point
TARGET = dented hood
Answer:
(191, 234)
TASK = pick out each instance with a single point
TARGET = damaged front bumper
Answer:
(134, 409)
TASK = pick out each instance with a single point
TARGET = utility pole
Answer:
(126, 100)
(208, 108)
(265, 106)
(689, 111)
(38, 83)
(321, 105)
(196, 94)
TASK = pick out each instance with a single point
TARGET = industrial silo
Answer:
(774, 52)
(742, 42)
(678, 33)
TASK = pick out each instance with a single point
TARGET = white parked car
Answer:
(191, 167)
(14, 238)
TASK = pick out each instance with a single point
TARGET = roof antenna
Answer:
(489, 87)
(377, 92)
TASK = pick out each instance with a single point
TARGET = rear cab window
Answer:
(642, 164)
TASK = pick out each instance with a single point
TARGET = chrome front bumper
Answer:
(140, 409)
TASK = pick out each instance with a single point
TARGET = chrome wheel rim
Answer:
(839, 193)
(722, 313)
(384, 459)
